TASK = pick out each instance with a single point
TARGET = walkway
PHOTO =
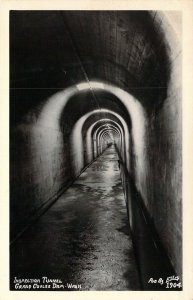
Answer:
(84, 237)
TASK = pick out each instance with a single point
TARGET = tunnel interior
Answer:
(82, 82)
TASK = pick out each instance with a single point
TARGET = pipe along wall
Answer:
(56, 135)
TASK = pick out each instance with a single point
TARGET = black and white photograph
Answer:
(95, 150)
(96, 143)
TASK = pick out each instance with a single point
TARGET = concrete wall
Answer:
(160, 183)
(39, 168)
(166, 171)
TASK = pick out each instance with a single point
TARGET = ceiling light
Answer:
(96, 85)
(92, 84)
(83, 86)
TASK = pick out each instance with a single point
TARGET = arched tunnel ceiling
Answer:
(55, 49)
(103, 129)
(83, 102)
(106, 133)
(99, 117)
(111, 130)
(104, 124)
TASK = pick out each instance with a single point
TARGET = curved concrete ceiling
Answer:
(82, 103)
(101, 124)
(125, 48)
(106, 133)
(107, 130)
(109, 127)
(99, 116)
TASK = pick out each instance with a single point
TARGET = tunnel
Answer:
(95, 150)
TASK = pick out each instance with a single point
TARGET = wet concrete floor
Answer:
(84, 238)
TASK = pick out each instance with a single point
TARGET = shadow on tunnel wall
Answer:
(154, 265)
